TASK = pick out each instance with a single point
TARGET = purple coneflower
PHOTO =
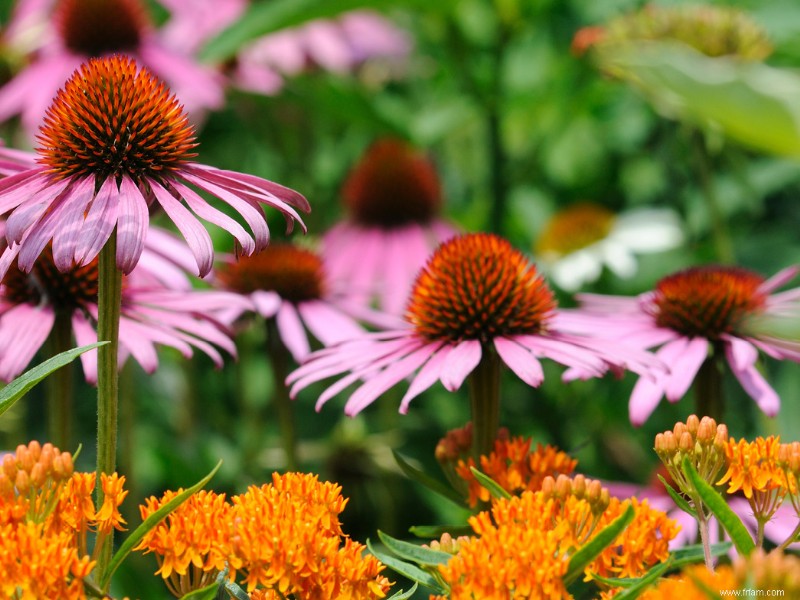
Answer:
(114, 143)
(697, 318)
(476, 304)
(157, 309)
(288, 284)
(393, 198)
(60, 35)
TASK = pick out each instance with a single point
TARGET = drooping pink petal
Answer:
(132, 224)
(71, 225)
(647, 392)
(85, 335)
(293, 334)
(100, 222)
(266, 303)
(780, 279)
(461, 361)
(685, 367)
(751, 380)
(429, 374)
(23, 330)
(328, 325)
(520, 360)
(26, 215)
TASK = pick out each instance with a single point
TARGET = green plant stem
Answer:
(705, 540)
(723, 244)
(59, 385)
(498, 160)
(109, 299)
(484, 398)
(709, 401)
(279, 360)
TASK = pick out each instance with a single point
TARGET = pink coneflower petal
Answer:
(292, 332)
(23, 328)
(67, 235)
(685, 368)
(132, 223)
(461, 361)
(25, 216)
(780, 279)
(429, 374)
(328, 325)
(99, 223)
(267, 303)
(521, 361)
(751, 380)
(85, 335)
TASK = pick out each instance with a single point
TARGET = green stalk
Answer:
(59, 385)
(709, 401)
(723, 244)
(484, 399)
(109, 300)
(279, 360)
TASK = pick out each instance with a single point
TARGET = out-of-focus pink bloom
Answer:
(476, 297)
(288, 283)
(60, 35)
(692, 315)
(338, 45)
(158, 308)
(104, 161)
(393, 198)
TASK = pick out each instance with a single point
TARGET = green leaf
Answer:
(207, 593)
(677, 498)
(429, 482)
(495, 489)
(401, 595)
(635, 590)
(406, 569)
(432, 532)
(134, 538)
(751, 102)
(418, 554)
(694, 554)
(23, 384)
(716, 504)
(262, 18)
(591, 550)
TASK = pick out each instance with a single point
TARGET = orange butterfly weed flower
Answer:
(286, 537)
(515, 467)
(789, 463)
(191, 544)
(692, 583)
(109, 517)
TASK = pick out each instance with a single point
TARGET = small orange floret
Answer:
(478, 287)
(752, 466)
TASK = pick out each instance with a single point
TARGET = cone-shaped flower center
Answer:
(574, 228)
(98, 27)
(392, 185)
(477, 287)
(296, 274)
(76, 288)
(113, 119)
(707, 301)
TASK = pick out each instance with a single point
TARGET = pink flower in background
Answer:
(691, 315)
(158, 308)
(393, 198)
(288, 283)
(60, 35)
(105, 160)
(476, 296)
(338, 45)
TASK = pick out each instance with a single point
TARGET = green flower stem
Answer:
(708, 398)
(59, 385)
(723, 244)
(705, 540)
(109, 300)
(484, 398)
(279, 360)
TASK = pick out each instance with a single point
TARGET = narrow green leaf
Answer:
(406, 569)
(490, 484)
(23, 384)
(429, 482)
(262, 18)
(433, 532)
(150, 522)
(401, 595)
(677, 498)
(418, 554)
(716, 504)
(635, 590)
(207, 593)
(583, 557)
(689, 555)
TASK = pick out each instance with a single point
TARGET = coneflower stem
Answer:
(109, 300)
(59, 385)
(279, 360)
(723, 245)
(709, 401)
(484, 398)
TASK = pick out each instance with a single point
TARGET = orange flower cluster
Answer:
(692, 583)
(515, 467)
(45, 511)
(523, 545)
(284, 538)
(789, 463)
